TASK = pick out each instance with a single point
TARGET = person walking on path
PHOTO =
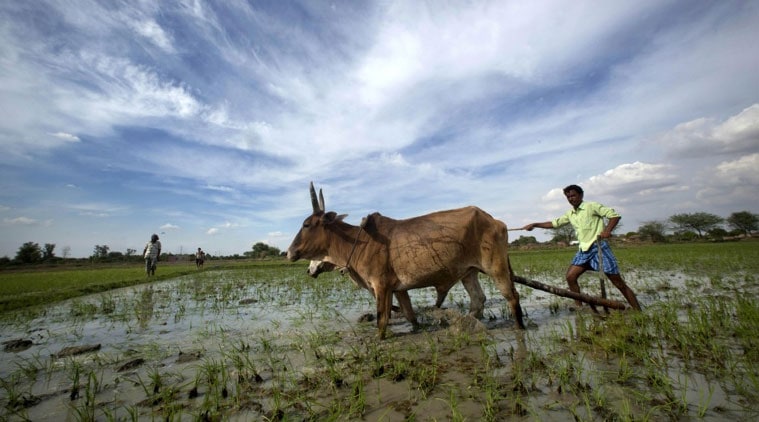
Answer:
(587, 218)
(151, 253)
(200, 257)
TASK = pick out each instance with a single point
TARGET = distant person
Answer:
(587, 218)
(151, 253)
(200, 257)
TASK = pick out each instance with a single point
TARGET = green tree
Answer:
(48, 252)
(100, 251)
(701, 222)
(564, 233)
(262, 250)
(653, 230)
(524, 240)
(744, 221)
(29, 252)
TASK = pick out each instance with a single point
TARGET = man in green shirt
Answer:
(587, 218)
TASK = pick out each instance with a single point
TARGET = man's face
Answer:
(574, 198)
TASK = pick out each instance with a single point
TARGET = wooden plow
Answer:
(593, 300)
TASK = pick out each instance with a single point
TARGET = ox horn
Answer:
(321, 201)
(314, 201)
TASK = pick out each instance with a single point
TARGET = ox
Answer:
(471, 284)
(390, 255)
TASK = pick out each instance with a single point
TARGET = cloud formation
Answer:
(205, 112)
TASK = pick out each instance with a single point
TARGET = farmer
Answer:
(151, 253)
(200, 257)
(587, 218)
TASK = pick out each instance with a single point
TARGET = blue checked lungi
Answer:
(590, 257)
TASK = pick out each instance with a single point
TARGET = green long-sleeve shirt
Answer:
(587, 220)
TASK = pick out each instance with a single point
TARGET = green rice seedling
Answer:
(214, 376)
(76, 371)
(452, 402)
(85, 408)
(107, 304)
(81, 309)
(704, 401)
(29, 367)
(625, 373)
(357, 399)
(17, 394)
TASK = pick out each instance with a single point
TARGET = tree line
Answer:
(33, 253)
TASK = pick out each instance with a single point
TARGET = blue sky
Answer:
(204, 121)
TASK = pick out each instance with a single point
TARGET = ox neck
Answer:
(353, 248)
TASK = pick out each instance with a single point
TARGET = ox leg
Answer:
(476, 295)
(405, 303)
(384, 306)
(506, 286)
(441, 295)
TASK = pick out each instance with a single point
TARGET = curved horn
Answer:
(321, 201)
(314, 201)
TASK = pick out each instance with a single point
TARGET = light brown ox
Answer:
(471, 284)
(390, 255)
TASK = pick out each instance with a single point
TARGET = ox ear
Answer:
(369, 223)
(332, 217)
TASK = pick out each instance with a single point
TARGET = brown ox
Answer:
(471, 284)
(390, 255)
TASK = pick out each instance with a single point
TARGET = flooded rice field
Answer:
(273, 344)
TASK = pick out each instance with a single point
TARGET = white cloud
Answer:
(169, 226)
(212, 231)
(66, 136)
(149, 29)
(741, 172)
(20, 221)
(707, 137)
(632, 177)
(219, 188)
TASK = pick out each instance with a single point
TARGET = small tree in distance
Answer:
(744, 221)
(29, 253)
(262, 250)
(564, 233)
(653, 230)
(701, 222)
(48, 252)
(100, 251)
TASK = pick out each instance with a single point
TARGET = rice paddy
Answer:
(265, 342)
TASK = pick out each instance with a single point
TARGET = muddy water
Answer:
(247, 345)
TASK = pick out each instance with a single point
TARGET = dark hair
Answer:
(154, 238)
(574, 188)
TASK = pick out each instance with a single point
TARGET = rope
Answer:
(353, 249)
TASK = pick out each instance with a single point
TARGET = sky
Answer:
(205, 121)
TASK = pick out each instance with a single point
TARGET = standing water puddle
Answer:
(249, 344)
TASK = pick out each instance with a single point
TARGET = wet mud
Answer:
(253, 345)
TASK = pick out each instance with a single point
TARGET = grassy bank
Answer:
(41, 286)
